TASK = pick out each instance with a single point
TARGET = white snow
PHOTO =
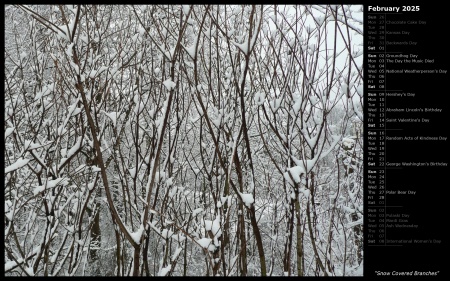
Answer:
(45, 90)
(101, 69)
(141, 31)
(344, 88)
(9, 131)
(201, 87)
(9, 210)
(348, 142)
(354, 223)
(211, 248)
(185, 9)
(357, 270)
(215, 227)
(169, 84)
(69, 50)
(311, 141)
(354, 104)
(26, 144)
(63, 160)
(197, 211)
(260, 98)
(75, 67)
(309, 164)
(96, 169)
(169, 54)
(80, 168)
(17, 165)
(297, 105)
(166, 233)
(275, 104)
(318, 118)
(29, 270)
(191, 50)
(208, 225)
(204, 242)
(73, 110)
(112, 116)
(347, 209)
(217, 121)
(305, 192)
(136, 236)
(74, 148)
(360, 90)
(247, 199)
(336, 139)
(11, 264)
(254, 35)
(134, 38)
(70, 228)
(296, 172)
(165, 270)
(173, 191)
(178, 237)
(160, 176)
(314, 100)
(38, 189)
(93, 73)
(243, 47)
(223, 199)
(177, 252)
(132, 172)
(8, 205)
(91, 185)
(61, 130)
(138, 108)
(50, 184)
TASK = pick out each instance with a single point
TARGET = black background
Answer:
(429, 207)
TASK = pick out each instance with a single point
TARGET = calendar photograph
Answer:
(185, 140)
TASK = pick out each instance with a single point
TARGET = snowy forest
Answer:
(183, 140)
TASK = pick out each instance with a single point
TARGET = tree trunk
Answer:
(95, 240)
(299, 239)
(258, 238)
